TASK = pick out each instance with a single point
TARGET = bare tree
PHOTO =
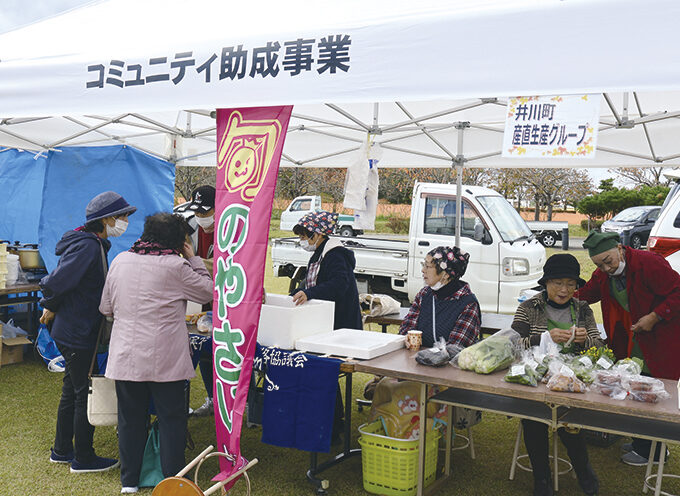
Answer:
(643, 176)
(549, 186)
(188, 179)
(296, 181)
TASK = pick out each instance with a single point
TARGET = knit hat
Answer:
(452, 260)
(317, 222)
(107, 204)
(561, 266)
(598, 242)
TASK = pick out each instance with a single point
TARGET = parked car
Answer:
(302, 205)
(633, 225)
(548, 232)
(664, 238)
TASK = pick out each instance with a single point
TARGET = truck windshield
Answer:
(508, 222)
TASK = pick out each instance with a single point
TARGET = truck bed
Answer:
(380, 257)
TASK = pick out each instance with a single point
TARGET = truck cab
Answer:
(302, 205)
(504, 256)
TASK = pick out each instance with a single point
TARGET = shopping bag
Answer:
(102, 401)
(48, 350)
(152, 473)
(379, 304)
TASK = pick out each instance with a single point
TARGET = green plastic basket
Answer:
(390, 466)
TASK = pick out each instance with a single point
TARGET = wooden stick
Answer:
(220, 484)
(193, 462)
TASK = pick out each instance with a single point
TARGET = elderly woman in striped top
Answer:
(555, 310)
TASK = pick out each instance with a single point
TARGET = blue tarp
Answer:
(21, 183)
(49, 194)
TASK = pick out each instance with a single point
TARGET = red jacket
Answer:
(652, 285)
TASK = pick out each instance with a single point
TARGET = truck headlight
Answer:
(515, 266)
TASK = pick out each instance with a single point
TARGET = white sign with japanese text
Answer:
(561, 126)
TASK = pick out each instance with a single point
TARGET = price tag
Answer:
(532, 364)
(604, 363)
(586, 361)
(516, 370)
(566, 371)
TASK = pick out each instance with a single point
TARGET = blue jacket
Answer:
(73, 290)
(335, 282)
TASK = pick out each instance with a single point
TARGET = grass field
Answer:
(29, 395)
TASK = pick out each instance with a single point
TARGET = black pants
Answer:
(73, 428)
(643, 446)
(133, 413)
(537, 445)
(205, 364)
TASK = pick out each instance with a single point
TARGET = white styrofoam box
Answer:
(282, 323)
(12, 268)
(352, 343)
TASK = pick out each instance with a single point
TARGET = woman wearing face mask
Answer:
(330, 270)
(71, 294)
(445, 307)
(555, 310)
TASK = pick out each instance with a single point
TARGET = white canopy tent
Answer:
(149, 74)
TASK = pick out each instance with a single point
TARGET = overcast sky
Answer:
(18, 13)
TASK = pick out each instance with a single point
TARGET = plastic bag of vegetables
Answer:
(524, 372)
(493, 353)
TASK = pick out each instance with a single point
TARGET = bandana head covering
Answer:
(598, 242)
(453, 261)
(321, 222)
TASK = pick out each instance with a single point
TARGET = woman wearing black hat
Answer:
(555, 310)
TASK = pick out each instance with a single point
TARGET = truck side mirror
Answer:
(482, 234)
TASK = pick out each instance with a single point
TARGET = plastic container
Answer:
(390, 466)
(282, 323)
(12, 269)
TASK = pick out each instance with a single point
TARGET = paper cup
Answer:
(414, 340)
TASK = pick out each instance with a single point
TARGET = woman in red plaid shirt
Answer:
(445, 307)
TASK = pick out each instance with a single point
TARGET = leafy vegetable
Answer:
(493, 353)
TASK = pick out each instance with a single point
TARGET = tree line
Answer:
(543, 189)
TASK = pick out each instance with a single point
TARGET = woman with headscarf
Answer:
(330, 270)
(146, 292)
(445, 307)
(556, 311)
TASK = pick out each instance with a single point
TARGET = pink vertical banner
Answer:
(249, 146)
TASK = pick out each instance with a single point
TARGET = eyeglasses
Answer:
(426, 265)
(571, 285)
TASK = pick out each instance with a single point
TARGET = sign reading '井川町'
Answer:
(250, 141)
(551, 126)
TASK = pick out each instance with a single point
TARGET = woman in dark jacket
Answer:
(556, 311)
(71, 295)
(330, 270)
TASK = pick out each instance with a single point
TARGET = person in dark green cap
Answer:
(639, 294)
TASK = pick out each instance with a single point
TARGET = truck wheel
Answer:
(548, 240)
(636, 242)
(346, 231)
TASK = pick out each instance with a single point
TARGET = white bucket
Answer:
(12, 269)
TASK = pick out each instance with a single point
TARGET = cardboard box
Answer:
(12, 350)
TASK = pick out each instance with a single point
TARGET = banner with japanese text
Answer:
(249, 146)
(562, 126)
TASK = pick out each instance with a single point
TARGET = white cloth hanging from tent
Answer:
(361, 186)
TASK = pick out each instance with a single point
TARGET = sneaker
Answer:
(205, 409)
(55, 458)
(97, 464)
(627, 447)
(636, 460)
(129, 489)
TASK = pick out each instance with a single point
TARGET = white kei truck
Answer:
(302, 205)
(505, 257)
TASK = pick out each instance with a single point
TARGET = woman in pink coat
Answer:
(146, 292)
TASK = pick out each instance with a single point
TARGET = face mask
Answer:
(619, 270)
(307, 246)
(118, 229)
(437, 285)
(205, 222)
